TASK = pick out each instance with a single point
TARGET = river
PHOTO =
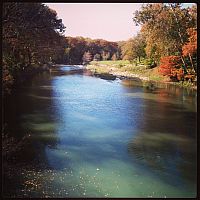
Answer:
(90, 137)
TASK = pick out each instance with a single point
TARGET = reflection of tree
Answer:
(31, 129)
(23, 116)
(165, 154)
(132, 82)
(166, 143)
(151, 149)
(166, 115)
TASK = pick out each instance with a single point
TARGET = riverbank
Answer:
(141, 72)
(21, 76)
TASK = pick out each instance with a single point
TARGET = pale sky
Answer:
(109, 21)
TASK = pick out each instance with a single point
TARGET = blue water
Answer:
(99, 138)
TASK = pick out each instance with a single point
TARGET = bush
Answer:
(149, 63)
(169, 65)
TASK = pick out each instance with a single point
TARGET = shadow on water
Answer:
(164, 145)
(79, 123)
(172, 158)
(166, 139)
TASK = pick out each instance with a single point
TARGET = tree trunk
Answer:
(185, 69)
(191, 61)
(181, 38)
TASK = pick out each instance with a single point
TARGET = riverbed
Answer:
(91, 137)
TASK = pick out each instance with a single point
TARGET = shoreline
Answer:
(105, 70)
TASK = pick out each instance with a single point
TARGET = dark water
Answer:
(91, 137)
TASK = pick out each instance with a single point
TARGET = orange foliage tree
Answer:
(171, 66)
(190, 48)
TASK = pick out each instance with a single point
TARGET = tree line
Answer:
(80, 49)
(168, 39)
(33, 35)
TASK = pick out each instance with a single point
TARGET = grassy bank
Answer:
(142, 70)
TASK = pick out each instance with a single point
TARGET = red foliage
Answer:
(169, 64)
(189, 49)
(191, 46)
(177, 74)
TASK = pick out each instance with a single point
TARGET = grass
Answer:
(142, 70)
(126, 68)
(111, 62)
(185, 84)
(156, 78)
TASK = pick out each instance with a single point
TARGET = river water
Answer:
(90, 137)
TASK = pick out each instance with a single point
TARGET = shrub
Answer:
(169, 65)
(149, 63)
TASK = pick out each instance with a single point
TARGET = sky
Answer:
(109, 21)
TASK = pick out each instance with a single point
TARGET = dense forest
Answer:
(33, 36)
(80, 49)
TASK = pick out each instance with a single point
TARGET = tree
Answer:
(134, 48)
(97, 57)
(32, 34)
(127, 49)
(164, 26)
(171, 66)
(114, 57)
(87, 57)
(79, 45)
(105, 55)
(139, 46)
(190, 47)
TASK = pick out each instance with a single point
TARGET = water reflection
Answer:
(166, 154)
(81, 127)
(166, 138)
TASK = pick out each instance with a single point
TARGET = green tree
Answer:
(127, 49)
(134, 48)
(139, 45)
(165, 28)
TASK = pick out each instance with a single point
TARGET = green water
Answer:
(91, 137)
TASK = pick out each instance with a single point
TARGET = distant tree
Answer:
(127, 49)
(87, 57)
(139, 44)
(133, 48)
(97, 57)
(105, 55)
(79, 45)
(114, 57)
(120, 46)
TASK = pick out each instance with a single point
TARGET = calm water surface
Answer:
(91, 137)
